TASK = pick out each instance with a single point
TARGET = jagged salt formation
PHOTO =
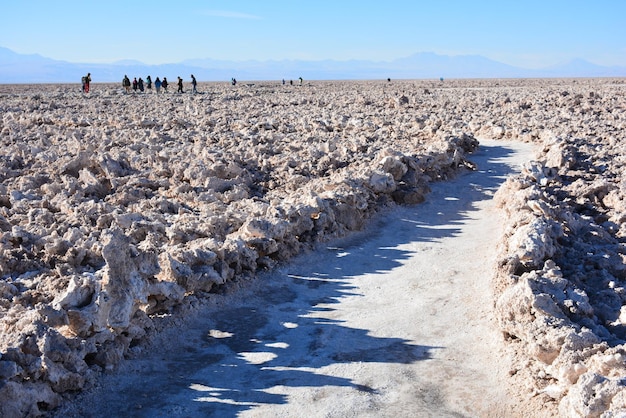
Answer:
(115, 209)
(561, 287)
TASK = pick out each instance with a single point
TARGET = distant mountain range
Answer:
(21, 68)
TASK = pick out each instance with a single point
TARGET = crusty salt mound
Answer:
(119, 209)
(561, 281)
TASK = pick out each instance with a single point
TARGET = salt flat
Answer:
(122, 213)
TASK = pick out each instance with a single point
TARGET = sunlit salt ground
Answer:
(181, 196)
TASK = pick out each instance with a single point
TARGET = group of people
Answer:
(138, 84)
(141, 85)
(291, 81)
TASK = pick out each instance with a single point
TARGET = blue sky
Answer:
(525, 33)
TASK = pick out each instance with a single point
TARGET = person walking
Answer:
(157, 85)
(140, 84)
(86, 80)
(126, 83)
(180, 85)
(194, 83)
(135, 84)
(164, 84)
(149, 83)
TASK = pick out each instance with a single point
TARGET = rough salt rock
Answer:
(559, 155)
(121, 282)
(79, 292)
(535, 242)
(126, 283)
(381, 182)
(498, 131)
(24, 400)
(191, 277)
(539, 173)
(393, 166)
(410, 196)
(260, 228)
(591, 396)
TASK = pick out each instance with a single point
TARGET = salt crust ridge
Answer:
(118, 209)
(562, 262)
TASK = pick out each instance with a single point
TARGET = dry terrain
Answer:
(121, 214)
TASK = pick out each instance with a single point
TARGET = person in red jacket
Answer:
(86, 80)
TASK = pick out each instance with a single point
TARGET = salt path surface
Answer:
(394, 321)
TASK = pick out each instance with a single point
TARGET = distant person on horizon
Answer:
(164, 84)
(126, 83)
(157, 85)
(140, 84)
(194, 83)
(149, 83)
(86, 80)
(180, 85)
(135, 84)
(233, 81)
(301, 80)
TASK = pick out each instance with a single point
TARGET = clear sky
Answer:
(525, 33)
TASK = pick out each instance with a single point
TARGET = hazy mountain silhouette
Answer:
(578, 66)
(34, 68)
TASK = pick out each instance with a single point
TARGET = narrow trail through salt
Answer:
(395, 321)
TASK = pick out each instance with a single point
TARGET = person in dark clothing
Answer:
(164, 84)
(194, 83)
(180, 85)
(135, 83)
(157, 85)
(86, 80)
(149, 83)
(126, 83)
(140, 84)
